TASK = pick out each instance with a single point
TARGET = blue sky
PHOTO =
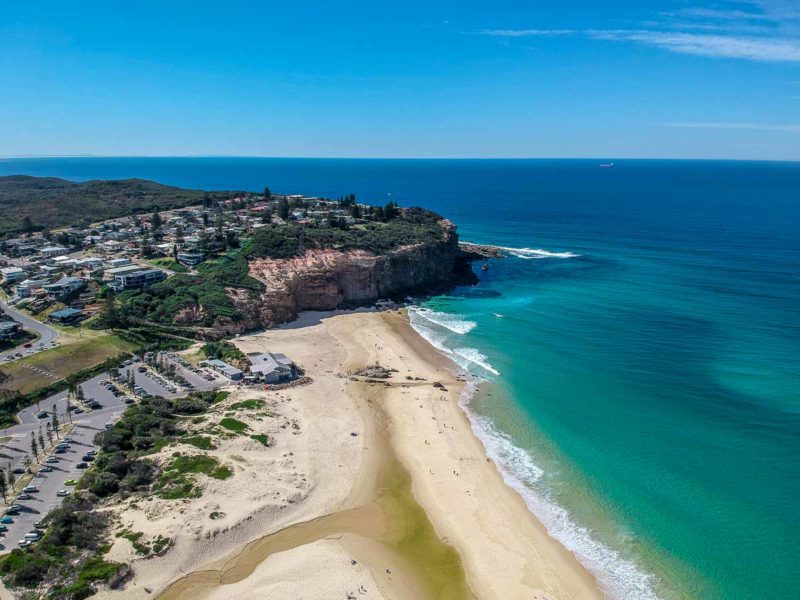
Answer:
(566, 78)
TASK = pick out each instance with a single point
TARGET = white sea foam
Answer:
(619, 577)
(451, 322)
(440, 328)
(537, 253)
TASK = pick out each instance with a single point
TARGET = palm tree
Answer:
(3, 486)
(34, 447)
(55, 421)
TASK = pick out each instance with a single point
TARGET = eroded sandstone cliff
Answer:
(330, 279)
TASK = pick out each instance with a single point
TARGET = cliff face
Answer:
(330, 279)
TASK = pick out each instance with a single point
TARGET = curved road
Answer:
(46, 333)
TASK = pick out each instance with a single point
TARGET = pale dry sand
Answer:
(268, 547)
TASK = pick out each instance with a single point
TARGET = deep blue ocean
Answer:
(639, 348)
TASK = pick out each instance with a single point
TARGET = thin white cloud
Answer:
(527, 32)
(791, 128)
(724, 46)
(757, 30)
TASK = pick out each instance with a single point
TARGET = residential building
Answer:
(190, 258)
(26, 288)
(9, 329)
(12, 274)
(137, 279)
(52, 251)
(66, 316)
(65, 286)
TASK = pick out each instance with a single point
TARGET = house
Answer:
(8, 329)
(26, 288)
(66, 316)
(224, 368)
(12, 274)
(137, 279)
(52, 251)
(271, 368)
(115, 263)
(190, 258)
(64, 287)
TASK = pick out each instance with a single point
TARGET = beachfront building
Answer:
(271, 367)
(224, 368)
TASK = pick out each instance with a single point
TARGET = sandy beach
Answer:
(373, 488)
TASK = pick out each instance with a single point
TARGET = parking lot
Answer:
(87, 422)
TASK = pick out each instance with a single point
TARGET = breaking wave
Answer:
(537, 253)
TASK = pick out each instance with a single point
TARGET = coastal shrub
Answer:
(412, 226)
(234, 425)
(202, 442)
(262, 439)
(250, 404)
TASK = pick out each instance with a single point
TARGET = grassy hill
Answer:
(53, 202)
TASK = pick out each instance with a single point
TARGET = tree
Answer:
(156, 221)
(267, 193)
(34, 447)
(41, 440)
(27, 225)
(3, 486)
(55, 421)
(12, 479)
(49, 433)
(179, 234)
(26, 460)
(283, 209)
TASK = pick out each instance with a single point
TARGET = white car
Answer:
(62, 493)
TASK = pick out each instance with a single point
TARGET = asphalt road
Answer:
(46, 334)
(86, 425)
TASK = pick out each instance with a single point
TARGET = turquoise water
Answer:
(642, 372)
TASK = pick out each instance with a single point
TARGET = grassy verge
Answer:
(61, 362)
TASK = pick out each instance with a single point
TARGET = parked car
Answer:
(70, 482)
(46, 469)
(42, 414)
(24, 496)
(82, 465)
(92, 453)
(19, 470)
(3, 528)
(52, 460)
(30, 489)
(62, 493)
(6, 520)
(87, 457)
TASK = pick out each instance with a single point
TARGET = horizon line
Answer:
(475, 158)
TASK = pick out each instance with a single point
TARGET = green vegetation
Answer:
(234, 425)
(203, 442)
(176, 481)
(68, 555)
(216, 515)
(250, 404)
(224, 351)
(170, 264)
(412, 226)
(263, 439)
(34, 203)
(142, 548)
